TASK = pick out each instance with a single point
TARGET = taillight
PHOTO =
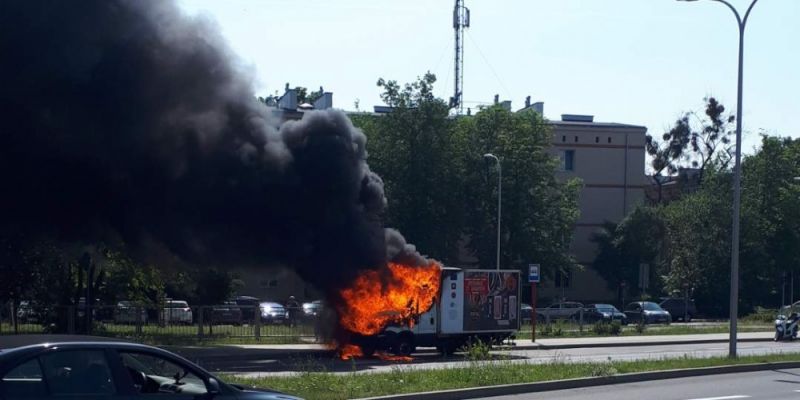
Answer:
(187, 309)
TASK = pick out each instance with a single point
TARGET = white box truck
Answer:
(472, 304)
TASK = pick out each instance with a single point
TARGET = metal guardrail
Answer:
(196, 322)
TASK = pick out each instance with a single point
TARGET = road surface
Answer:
(288, 363)
(778, 384)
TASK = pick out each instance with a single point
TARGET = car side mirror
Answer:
(213, 387)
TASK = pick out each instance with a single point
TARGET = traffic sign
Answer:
(533, 273)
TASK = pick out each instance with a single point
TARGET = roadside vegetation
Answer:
(314, 383)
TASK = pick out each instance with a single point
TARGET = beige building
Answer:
(609, 158)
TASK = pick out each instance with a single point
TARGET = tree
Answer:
(623, 247)
(699, 142)
(538, 211)
(414, 150)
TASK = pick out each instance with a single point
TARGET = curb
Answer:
(633, 344)
(519, 388)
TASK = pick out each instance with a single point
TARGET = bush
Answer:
(616, 328)
(607, 329)
(640, 327)
(761, 315)
(476, 350)
(601, 329)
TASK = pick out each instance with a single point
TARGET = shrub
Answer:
(616, 328)
(601, 329)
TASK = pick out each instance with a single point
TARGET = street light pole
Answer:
(737, 182)
(499, 199)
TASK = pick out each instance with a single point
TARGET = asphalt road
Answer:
(288, 363)
(778, 384)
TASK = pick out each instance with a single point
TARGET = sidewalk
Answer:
(260, 351)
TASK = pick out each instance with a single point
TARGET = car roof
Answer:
(15, 341)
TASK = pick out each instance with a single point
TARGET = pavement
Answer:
(236, 351)
(276, 360)
(774, 384)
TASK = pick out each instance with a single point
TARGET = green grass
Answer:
(314, 383)
(572, 331)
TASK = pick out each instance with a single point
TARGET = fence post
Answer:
(580, 326)
(200, 311)
(138, 311)
(257, 318)
(71, 319)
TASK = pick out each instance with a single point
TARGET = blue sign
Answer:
(533, 273)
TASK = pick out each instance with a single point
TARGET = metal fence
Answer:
(195, 322)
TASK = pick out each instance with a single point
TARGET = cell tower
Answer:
(460, 21)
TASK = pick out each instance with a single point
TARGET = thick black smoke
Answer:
(125, 118)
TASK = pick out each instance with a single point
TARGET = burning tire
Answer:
(404, 345)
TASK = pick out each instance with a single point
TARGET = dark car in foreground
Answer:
(83, 367)
(647, 312)
(604, 313)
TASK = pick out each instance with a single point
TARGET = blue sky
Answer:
(632, 61)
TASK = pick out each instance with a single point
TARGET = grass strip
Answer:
(313, 383)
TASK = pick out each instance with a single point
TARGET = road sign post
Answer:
(533, 278)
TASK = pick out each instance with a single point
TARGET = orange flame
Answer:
(389, 357)
(375, 300)
(349, 351)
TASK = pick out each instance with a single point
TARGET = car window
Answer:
(651, 307)
(24, 381)
(154, 374)
(77, 372)
(633, 307)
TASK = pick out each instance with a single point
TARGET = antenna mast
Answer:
(460, 21)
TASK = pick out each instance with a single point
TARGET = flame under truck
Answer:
(472, 304)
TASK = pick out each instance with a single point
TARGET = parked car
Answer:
(248, 305)
(677, 308)
(525, 313)
(83, 367)
(176, 311)
(604, 313)
(226, 313)
(312, 309)
(126, 313)
(647, 312)
(559, 311)
(273, 313)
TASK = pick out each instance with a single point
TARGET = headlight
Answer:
(607, 315)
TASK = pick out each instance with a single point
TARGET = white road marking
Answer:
(723, 397)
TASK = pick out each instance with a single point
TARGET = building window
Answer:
(568, 160)
(564, 279)
(597, 139)
(564, 138)
(609, 139)
(576, 139)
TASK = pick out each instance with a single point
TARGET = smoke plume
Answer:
(127, 118)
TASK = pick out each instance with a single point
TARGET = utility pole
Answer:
(460, 21)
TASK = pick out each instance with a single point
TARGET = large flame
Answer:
(378, 298)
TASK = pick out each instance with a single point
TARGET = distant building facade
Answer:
(609, 158)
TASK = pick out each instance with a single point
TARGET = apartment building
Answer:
(609, 158)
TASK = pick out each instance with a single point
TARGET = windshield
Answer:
(605, 307)
(177, 304)
(652, 307)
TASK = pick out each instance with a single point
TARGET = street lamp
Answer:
(490, 156)
(737, 182)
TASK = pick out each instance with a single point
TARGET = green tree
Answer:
(538, 211)
(414, 150)
(623, 247)
(693, 141)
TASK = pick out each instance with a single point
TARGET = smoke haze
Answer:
(128, 119)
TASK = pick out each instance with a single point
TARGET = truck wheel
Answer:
(404, 345)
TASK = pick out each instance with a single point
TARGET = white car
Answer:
(176, 311)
